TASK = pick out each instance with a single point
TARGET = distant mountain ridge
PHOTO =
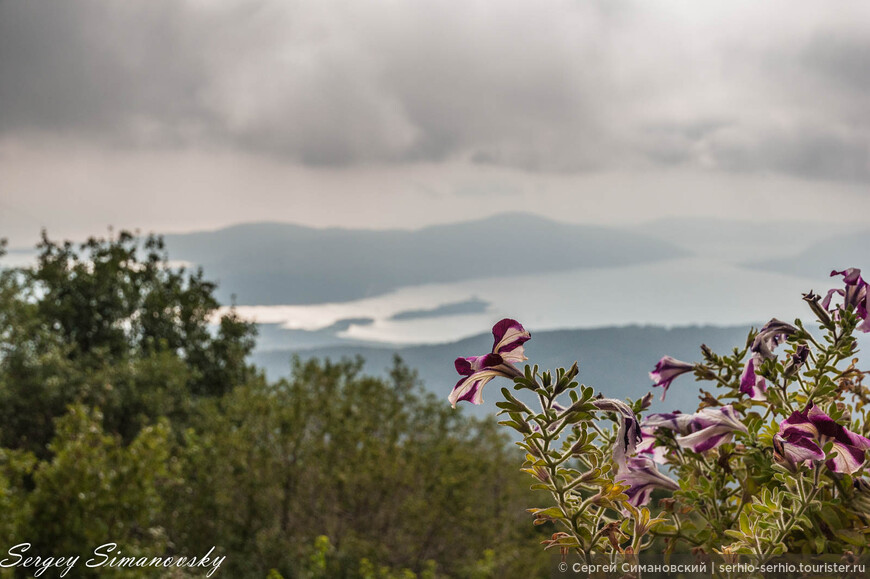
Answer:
(615, 361)
(278, 263)
(739, 241)
(840, 252)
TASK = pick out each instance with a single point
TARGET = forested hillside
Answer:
(125, 417)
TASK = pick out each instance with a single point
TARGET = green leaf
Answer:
(852, 537)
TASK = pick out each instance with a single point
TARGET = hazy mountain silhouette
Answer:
(275, 336)
(737, 241)
(840, 252)
(471, 306)
(279, 263)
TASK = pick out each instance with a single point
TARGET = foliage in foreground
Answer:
(774, 461)
(125, 416)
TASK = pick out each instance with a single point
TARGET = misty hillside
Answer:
(277, 263)
(735, 240)
(613, 360)
(840, 252)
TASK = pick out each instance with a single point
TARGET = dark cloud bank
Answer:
(562, 87)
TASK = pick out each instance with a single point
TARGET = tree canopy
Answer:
(129, 414)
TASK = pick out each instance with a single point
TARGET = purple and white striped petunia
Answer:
(508, 339)
(803, 434)
(676, 421)
(750, 383)
(628, 434)
(711, 427)
(856, 295)
(769, 337)
(701, 431)
(647, 445)
(794, 449)
(642, 475)
(666, 370)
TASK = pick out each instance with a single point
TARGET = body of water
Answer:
(671, 293)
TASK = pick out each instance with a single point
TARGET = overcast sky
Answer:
(178, 115)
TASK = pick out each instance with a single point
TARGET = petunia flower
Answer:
(701, 431)
(710, 428)
(642, 475)
(628, 434)
(855, 292)
(851, 276)
(803, 434)
(666, 370)
(795, 449)
(669, 420)
(769, 337)
(750, 383)
(856, 295)
(676, 421)
(647, 445)
(508, 339)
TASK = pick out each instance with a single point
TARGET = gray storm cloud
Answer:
(560, 86)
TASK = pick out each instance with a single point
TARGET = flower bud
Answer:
(667, 504)
(795, 361)
(577, 447)
(821, 313)
(646, 401)
(540, 473)
(613, 534)
(708, 353)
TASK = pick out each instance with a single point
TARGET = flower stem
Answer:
(805, 501)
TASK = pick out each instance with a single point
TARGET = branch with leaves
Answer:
(773, 461)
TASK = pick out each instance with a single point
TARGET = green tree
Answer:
(110, 324)
(96, 490)
(128, 414)
(383, 469)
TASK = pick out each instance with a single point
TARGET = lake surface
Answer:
(677, 292)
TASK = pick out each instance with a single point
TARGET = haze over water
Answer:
(679, 292)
